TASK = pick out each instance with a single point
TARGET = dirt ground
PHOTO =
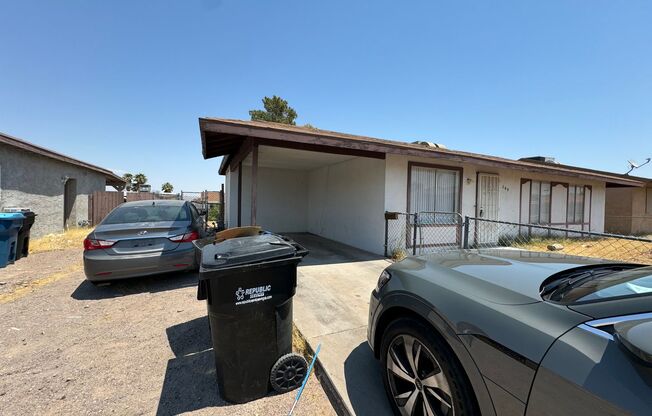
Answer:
(606, 248)
(132, 348)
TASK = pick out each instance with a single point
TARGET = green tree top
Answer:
(139, 180)
(128, 178)
(276, 110)
(167, 187)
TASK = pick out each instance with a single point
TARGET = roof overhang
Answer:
(111, 178)
(233, 139)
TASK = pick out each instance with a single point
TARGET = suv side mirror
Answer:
(636, 337)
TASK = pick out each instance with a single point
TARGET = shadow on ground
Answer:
(364, 383)
(190, 382)
(323, 251)
(126, 287)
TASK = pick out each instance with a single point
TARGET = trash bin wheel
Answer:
(288, 372)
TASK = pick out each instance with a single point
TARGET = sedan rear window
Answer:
(147, 213)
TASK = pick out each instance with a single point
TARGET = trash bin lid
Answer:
(246, 250)
(14, 209)
(11, 216)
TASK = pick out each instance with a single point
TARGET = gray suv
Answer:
(507, 332)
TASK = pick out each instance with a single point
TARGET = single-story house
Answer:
(56, 187)
(339, 186)
(629, 210)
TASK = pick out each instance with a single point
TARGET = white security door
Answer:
(486, 208)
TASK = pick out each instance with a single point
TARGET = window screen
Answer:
(433, 189)
(575, 213)
(540, 202)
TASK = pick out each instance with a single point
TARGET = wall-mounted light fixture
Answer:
(469, 181)
(64, 179)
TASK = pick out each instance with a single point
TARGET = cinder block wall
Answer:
(32, 181)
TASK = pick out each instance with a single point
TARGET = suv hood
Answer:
(505, 276)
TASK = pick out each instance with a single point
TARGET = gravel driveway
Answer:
(136, 347)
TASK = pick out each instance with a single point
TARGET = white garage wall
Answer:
(282, 199)
(346, 203)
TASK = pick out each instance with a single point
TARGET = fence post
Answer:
(386, 236)
(466, 232)
(414, 234)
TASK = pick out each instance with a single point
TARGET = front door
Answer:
(69, 198)
(486, 208)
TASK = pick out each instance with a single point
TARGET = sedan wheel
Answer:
(417, 381)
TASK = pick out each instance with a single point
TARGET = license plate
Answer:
(143, 243)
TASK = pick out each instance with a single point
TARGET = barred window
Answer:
(575, 213)
(540, 202)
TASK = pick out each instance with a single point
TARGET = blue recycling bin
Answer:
(10, 223)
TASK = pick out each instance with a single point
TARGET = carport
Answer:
(293, 182)
(329, 196)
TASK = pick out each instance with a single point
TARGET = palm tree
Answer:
(129, 179)
(167, 187)
(139, 180)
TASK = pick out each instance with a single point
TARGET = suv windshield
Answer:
(603, 284)
(147, 213)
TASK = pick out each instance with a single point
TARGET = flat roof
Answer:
(225, 137)
(111, 178)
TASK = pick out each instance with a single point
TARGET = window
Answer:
(540, 202)
(434, 189)
(575, 213)
(147, 213)
(194, 212)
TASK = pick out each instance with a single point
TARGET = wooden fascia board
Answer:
(399, 149)
(244, 150)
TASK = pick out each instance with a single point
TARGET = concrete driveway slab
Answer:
(331, 308)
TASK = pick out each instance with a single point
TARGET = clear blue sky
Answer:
(122, 83)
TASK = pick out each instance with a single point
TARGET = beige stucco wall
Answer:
(510, 195)
(346, 201)
(28, 180)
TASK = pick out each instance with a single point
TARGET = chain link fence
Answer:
(210, 203)
(482, 233)
(425, 232)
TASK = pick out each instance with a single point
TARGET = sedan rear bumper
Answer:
(100, 266)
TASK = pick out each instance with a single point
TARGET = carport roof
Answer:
(228, 138)
(111, 178)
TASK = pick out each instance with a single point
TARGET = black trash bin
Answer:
(22, 243)
(249, 283)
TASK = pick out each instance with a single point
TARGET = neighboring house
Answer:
(56, 187)
(213, 198)
(339, 186)
(629, 210)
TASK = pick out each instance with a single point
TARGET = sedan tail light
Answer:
(91, 244)
(185, 238)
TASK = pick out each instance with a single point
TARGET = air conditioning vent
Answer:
(430, 144)
(540, 159)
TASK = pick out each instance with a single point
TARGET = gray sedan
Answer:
(508, 332)
(143, 238)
